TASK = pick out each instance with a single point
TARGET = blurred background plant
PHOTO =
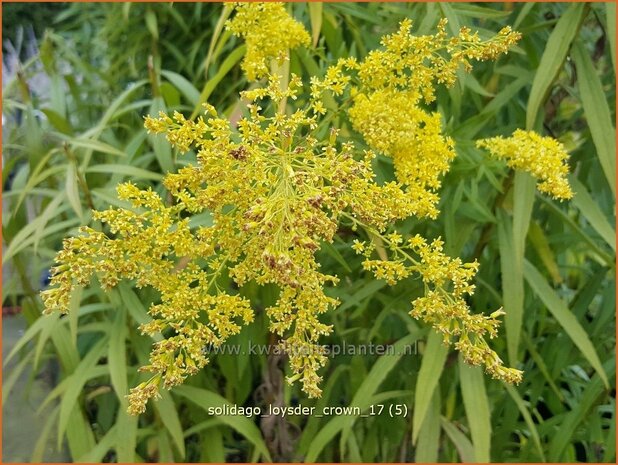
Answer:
(77, 81)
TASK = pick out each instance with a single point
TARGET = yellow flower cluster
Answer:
(275, 193)
(447, 283)
(277, 188)
(387, 111)
(392, 124)
(543, 157)
(269, 32)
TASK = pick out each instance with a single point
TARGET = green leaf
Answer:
(97, 453)
(125, 170)
(553, 57)
(610, 17)
(315, 15)
(79, 435)
(169, 417)
(38, 453)
(523, 409)
(363, 398)
(72, 191)
(117, 357)
(126, 437)
(561, 438)
(95, 146)
(206, 399)
(58, 121)
(541, 245)
(565, 318)
(476, 405)
(183, 85)
(428, 444)
(597, 112)
(333, 252)
(151, 23)
(429, 374)
(231, 60)
(461, 442)
(591, 211)
(69, 405)
(160, 145)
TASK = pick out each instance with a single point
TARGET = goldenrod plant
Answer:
(237, 201)
(277, 191)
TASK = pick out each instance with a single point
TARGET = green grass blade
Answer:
(597, 112)
(315, 15)
(232, 59)
(362, 398)
(97, 453)
(523, 409)
(610, 16)
(428, 377)
(125, 170)
(428, 444)
(183, 85)
(591, 211)
(169, 417)
(462, 443)
(206, 399)
(565, 318)
(476, 405)
(512, 286)
(561, 439)
(126, 438)
(80, 438)
(553, 57)
(70, 400)
(116, 355)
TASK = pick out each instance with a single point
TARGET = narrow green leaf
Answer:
(330, 249)
(512, 286)
(315, 15)
(476, 405)
(565, 318)
(11, 375)
(541, 245)
(69, 403)
(96, 146)
(38, 453)
(53, 210)
(169, 417)
(462, 443)
(136, 308)
(125, 170)
(72, 191)
(79, 436)
(597, 112)
(183, 85)
(561, 439)
(553, 57)
(523, 409)
(591, 211)
(432, 366)
(97, 453)
(126, 437)
(58, 121)
(151, 23)
(231, 60)
(206, 399)
(117, 357)
(610, 16)
(428, 444)
(362, 398)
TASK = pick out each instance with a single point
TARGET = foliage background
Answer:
(73, 102)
